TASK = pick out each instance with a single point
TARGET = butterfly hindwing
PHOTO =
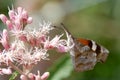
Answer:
(86, 54)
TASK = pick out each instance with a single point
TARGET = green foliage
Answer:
(61, 69)
(4, 4)
(14, 75)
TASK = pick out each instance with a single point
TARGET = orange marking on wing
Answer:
(83, 41)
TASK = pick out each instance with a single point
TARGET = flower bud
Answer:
(3, 18)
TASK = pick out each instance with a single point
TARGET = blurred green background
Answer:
(98, 20)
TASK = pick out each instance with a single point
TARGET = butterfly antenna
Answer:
(62, 27)
(66, 30)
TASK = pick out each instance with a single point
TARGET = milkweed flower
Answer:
(27, 48)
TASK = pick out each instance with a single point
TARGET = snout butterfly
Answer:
(86, 53)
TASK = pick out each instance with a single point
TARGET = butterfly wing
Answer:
(86, 54)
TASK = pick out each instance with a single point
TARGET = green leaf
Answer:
(61, 69)
(14, 75)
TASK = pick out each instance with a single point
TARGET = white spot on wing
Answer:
(104, 50)
(94, 46)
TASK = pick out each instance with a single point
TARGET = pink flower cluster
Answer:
(26, 47)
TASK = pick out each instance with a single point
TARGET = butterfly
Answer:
(86, 53)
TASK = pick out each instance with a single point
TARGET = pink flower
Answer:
(3, 18)
(32, 76)
(32, 41)
(11, 14)
(5, 71)
(50, 44)
(61, 48)
(29, 20)
(23, 77)
(28, 47)
(18, 19)
(4, 39)
(23, 37)
(61, 45)
(9, 24)
(41, 39)
(45, 76)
